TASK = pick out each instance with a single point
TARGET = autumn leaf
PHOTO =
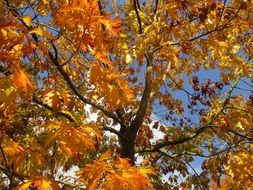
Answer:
(27, 20)
(114, 25)
(73, 140)
(102, 56)
(25, 185)
(38, 182)
(122, 176)
(37, 31)
(13, 152)
(42, 32)
(8, 96)
(111, 86)
(21, 81)
(127, 92)
(53, 99)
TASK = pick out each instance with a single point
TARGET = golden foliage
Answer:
(111, 86)
(72, 140)
(130, 65)
(103, 174)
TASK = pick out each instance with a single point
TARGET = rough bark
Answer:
(126, 141)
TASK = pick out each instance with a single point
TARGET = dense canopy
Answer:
(134, 94)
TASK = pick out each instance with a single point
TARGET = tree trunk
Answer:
(127, 144)
(127, 150)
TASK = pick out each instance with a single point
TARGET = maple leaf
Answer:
(112, 25)
(8, 96)
(38, 182)
(52, 98)
(122, 176)
(111, 86)
(21, 81)
(72, 140)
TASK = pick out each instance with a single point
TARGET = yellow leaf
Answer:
(128, 58)
(45, 1)
(73, 140)
(42, 32)
(146, 171)
(11, 148)
(25, 185)
(3, 34)
(68, 114)
(37, 31)
(27, 20)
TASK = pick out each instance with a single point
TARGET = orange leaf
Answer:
(38, 182)
(112, 25)
(21, 81)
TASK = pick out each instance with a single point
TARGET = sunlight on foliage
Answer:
(135, 94)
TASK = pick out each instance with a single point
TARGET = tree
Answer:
(169, 82)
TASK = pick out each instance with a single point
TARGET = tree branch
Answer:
(181, 140)
(74, 89)
(136, 3)
(112, 131)
(4, 156)
(37, 101)
(54, 59)
(217, 28)
(156, 6)
(71, 119)
(135, 124)
(12, 173)
(199, 131)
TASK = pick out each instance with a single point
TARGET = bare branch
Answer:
(112, 131)
(37, 101)
(12, 173)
